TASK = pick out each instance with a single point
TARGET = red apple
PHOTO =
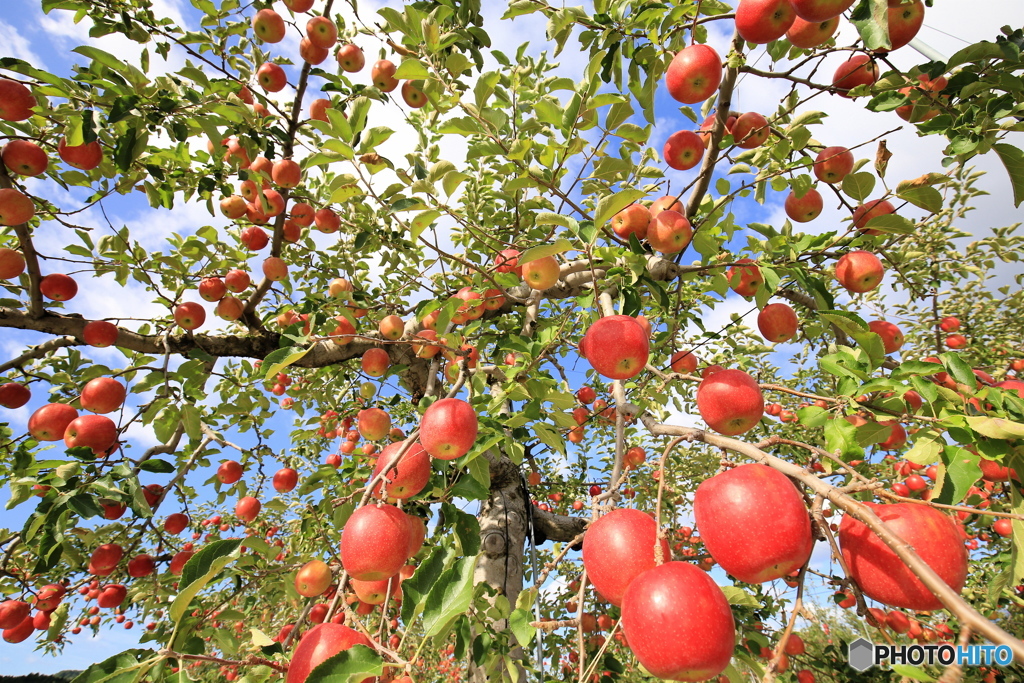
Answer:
(189, 315)
(313, 579)
(810, 34)
(409, 477)
(541, 273)
(14, 395)
(730, 401)
(179, 561)
(237, 281)
(247, 508)
(448, 428)
(230, 308)
(106, 558)
(383, 75)
(755, 547)
(268, 26)
(859, 271)
(684, 362)
(299, 6)
(905, 21)
(318, 110)
(617, 548)
(375, 542)
(99, 333)
(287, 173)
(669, 232)
(327, 221)
(320, 643)
(351, 58)
(311, 53)
(141, 565)
(617, 346)
(806, 208)
(694, 74)
(58, 286)
(13, 612)
(924, 98)
(12, 263)
(84, 157)
(820, 10)
(666, 203)
(271, 77)
(48, 598)
(212, 289)
(949, 324)
(229, 472)
(275, 269)
(751, 129)
(632, 220)
(777, 322)
(15, 208)
(375, 592)
(833, 164)
(322, 32)
(25, 157)
(232, 207)
(883, 576)
(285, 480)
(863, 214)
(859, 69)
(745, 280)
(413, 94)
(102, 395)
(373, 423)
(16, 101)
(176, 523)
(678, 623)
(49, 422)
(112, 595)
(586, 395)
(762, 21)
(375, 362)
(892, 337)
(683, 150)
(19, 633)
(507, 261)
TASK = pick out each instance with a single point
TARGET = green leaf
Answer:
(927, 198)
(465, 526)
(559, 246)
(191, 419)
(348, 666)
(422, 221)
(1013, 159)
(1017, 555)
(277, 361)
(411, 69)
(960, 370)
(841, 438)
(996, 427)
(157, 466)
(416, 588)
(928, 447)
(859, 185)
(121, 668)
(912, 672)
(892, 223)
(850, 323)
(737, 596)
(962, 470)
(871, 17)
(199, 571)
(450, 596)
(549, 218)
(610, 205)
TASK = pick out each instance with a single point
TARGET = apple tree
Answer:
(463, 302)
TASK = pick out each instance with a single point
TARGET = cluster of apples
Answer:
(56, 421)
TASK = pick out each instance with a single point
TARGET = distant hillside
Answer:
(61, 677)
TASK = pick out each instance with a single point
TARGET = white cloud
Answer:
(17, 45)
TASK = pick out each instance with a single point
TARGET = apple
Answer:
(176, 523)
(777, 322)
(684, 362)
(586, 395)
(351, 58)
(375, 542)
(84, 157)
(616, 346)
(285, 480)
(229, 472)
(750, 129)
(709, 122)
(311, 53)
(112, 595)
(905, 21)
(313, 579)
(956, 341)
(1009, 385)
(949, 324)
(14, 395)
(25, 157)
(15, 208)
(729, 509)
(833, 164)
(666, 203)
(12, 263)
(271, 77)
(57, 286)
(247, 508)
(230, 308)
(820, 10)
(48, 598)
(212, 289)
(327, 221)
(275, 269)
(287, 173)
(268, 26)
(883, 576)
(318, 110)
(424, 350)
(373, 423)
(179, 561)
(232, 207)
(859, 271)
(669, 232)
(632, 220)
(413, 94)
(683, 150)
(21, 632)
(391, 327)
(762, 21)
(141, 565)
(299, 6)
(694, 74)
(13, 612)
(617, 548)
(375, 592)
(16, 101)
(106, 558)
(678, 623)
(810, 34)
(892, 337)
(102, 395)
(417, 534)
(237, 281)
(730, 401)
(493, 299)
(409, 477)
(744, 280)
(924, 97)
(507, 261)
(376, 362)
(448, 428)
(49, 422)
(541, 273)
(320, 643)
(993, 471)
(1003, 527)
(806, 208)
(859, 69)
(189, 315)
(383, 75)
(864, 213)
(303, 214)
(322, 32)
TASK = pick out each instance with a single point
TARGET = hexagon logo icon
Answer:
(861, 654)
